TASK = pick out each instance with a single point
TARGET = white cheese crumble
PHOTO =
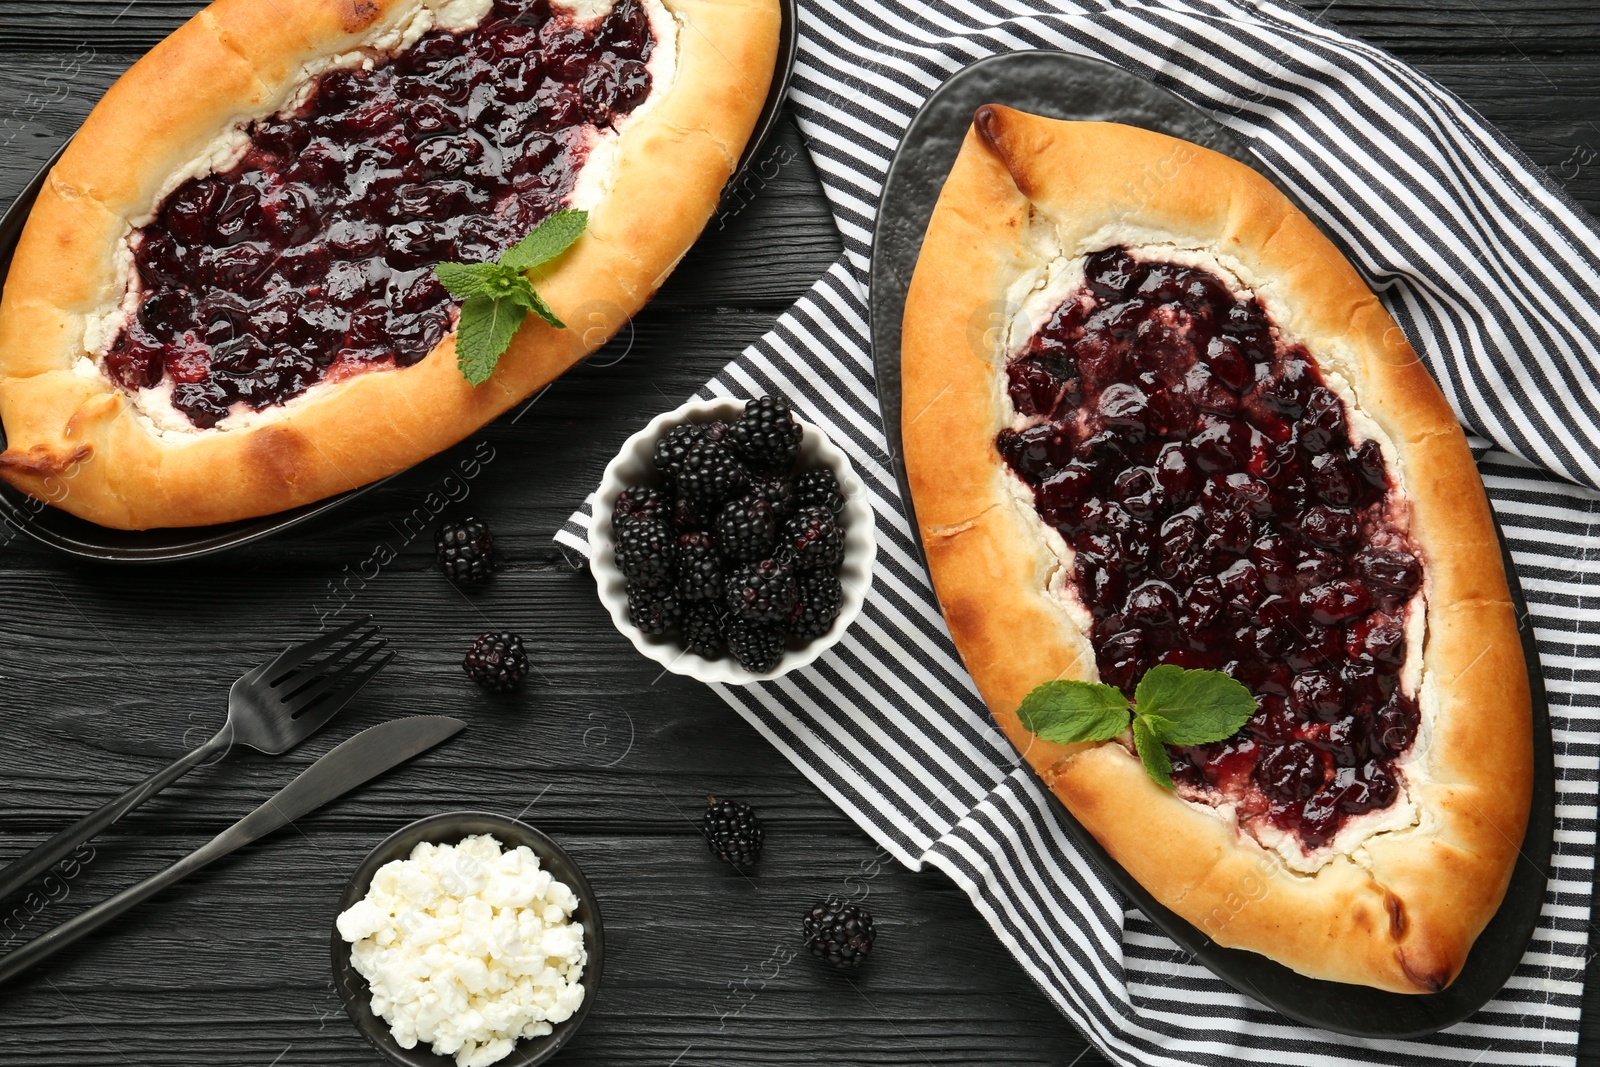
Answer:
(468, 948)
(1030, 302)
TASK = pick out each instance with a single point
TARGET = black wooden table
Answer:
(106, 674)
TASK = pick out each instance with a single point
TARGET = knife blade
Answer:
(346, 766)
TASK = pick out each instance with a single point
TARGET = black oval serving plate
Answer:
(1072, 87)
(77, 537)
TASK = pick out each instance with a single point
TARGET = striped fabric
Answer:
(1494, 276)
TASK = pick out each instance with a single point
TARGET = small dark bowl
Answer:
(449, 829)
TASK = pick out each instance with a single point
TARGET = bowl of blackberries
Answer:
(732, 542)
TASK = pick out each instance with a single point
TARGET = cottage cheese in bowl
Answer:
(468, 947)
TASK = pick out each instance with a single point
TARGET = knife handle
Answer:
(32, 864)
(50, 942)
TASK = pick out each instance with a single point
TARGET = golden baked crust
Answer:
(1399, 913)
(74, 438)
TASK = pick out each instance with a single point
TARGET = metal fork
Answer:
(271, 709)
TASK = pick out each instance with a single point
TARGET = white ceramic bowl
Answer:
(635, 465)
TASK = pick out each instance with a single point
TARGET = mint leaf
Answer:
(541, 309)
(468, 279)
(526, 297)
(521, 294)
(548, 240)
(1069, 711)
(484, 333)
(1192, 707)
(1151, 752)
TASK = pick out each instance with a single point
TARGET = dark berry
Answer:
(672, 449)
(1391, 570)
(767, 435)
(746, 529)
(1336, 602)
(763, 592)
(709, 474)
(497, 662)
(699, 567)
(465, 551)
(1331, 528)
(813, 540)
(733, 830)
(1372, 786)
(1111, 273)
(1317, 695)
(645, 550)
(839, 932)
(779, 491)
(686, 516)
(1290, 772)
(817, 605)
(639, 502)
(819, 488)
(653, 610)
(702, 629)
(758, 648)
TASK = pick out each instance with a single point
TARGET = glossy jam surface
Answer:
(1203, 472)
(313, 255)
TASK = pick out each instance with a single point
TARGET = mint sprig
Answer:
(496, 297)
(1172, 706)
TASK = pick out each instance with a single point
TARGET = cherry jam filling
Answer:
(314, 254)
(1204, 474)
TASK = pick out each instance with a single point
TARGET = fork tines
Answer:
(299, 678)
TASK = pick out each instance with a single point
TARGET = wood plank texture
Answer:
(107, 673)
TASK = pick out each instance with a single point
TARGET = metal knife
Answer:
(358, 760)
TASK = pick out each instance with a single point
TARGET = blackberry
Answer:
(671, 449)
(813, 539)
(674, 446)
(638, 502)
(817, 606)
(819, 488)
(767, 435)
(746, 529)
(763, 592)
(466, 551)
(699, 567)
(779, 491)
(733, 830)
(757, 648)
(497, 662)
(839, 932)
(702, 630)
(655, 611)
(644, 551)
(686, 517)
(709, 474)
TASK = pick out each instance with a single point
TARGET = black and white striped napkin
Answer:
(1494, 275)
